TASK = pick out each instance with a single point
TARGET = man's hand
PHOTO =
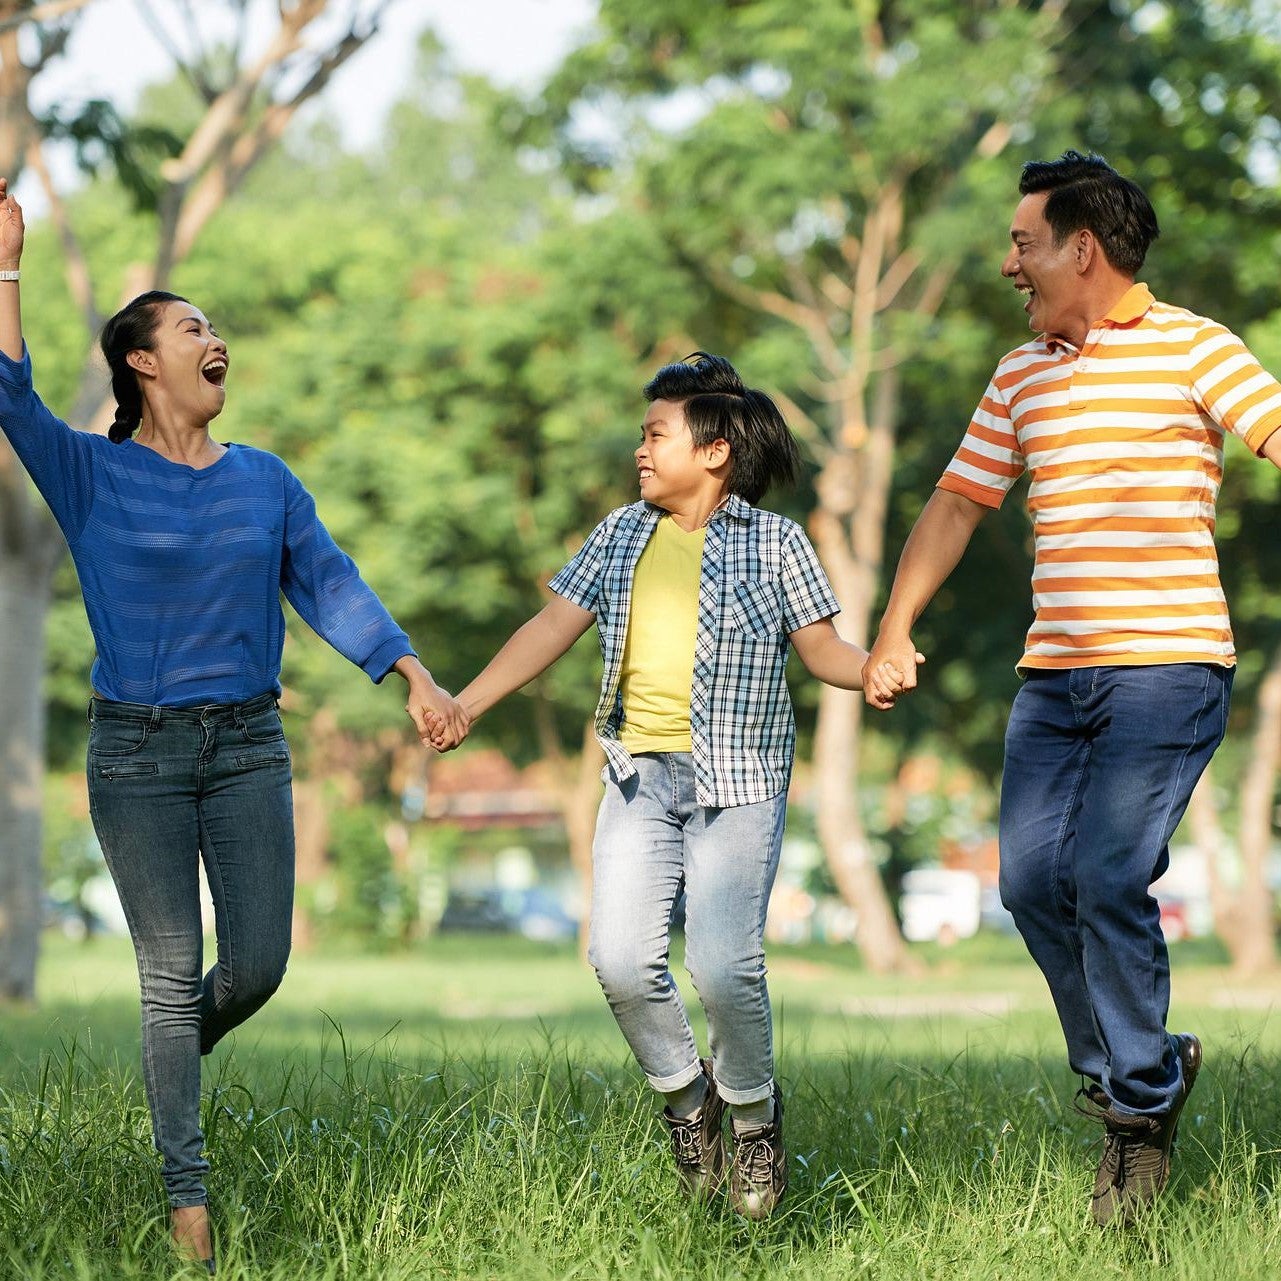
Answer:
(890, 670)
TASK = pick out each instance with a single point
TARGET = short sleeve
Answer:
(807, 595)
(1233, 389)
(581, 580)
(989, 459)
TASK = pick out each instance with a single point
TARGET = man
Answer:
(1118, 409)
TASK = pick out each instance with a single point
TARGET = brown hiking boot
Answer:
(698, 1142)
(1135, 1166)
(758, 1175)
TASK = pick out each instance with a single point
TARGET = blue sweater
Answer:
(182, 568)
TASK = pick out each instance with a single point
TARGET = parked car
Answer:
(535, 913)
(940, 905)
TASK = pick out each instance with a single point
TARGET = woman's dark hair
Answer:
(132, 328)
(717, 406)
(1086, 192)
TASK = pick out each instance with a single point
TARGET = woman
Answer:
(183, 546)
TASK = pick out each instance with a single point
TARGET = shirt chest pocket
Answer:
(754, 607)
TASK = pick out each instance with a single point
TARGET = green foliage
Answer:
(446, 337)
(72, 857)
(370, 902)
(101, 138)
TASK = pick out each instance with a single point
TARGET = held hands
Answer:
(440, 720)
(890, 671)
(12, 230)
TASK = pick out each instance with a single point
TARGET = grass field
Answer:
(471, 1111)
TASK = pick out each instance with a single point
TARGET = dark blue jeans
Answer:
(167, 787)
(1099, 765)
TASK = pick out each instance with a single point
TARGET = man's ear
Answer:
(1085, 249)
(141, 362)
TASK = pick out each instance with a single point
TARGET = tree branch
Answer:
(75, 265)
(42, 13)
(233, 166)
(812, 323)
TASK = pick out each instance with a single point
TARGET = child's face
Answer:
(672, 468)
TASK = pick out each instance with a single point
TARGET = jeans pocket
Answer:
(127, 769)
(263, 757)
(111, 736)
(262, 727)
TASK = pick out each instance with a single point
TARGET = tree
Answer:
(837, 173)
(241, 102)
(841, 173)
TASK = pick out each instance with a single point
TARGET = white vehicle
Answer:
(940, 905)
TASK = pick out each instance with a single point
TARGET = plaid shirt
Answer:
(760, 580)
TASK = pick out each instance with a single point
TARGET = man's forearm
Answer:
(937, 541)
(1272, 449)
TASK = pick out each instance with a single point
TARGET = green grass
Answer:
(471, 1111)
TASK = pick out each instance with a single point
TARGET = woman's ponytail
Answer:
(132, 328)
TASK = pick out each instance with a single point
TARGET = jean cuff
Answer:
(741, 1098)
(678, 1080)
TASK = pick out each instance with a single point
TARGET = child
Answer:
(696, 594)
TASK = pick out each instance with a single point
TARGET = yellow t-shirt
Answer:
(658, 657)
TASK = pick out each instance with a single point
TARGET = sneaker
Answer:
(758, 1175)
(1135, 1166)
(698, 1141)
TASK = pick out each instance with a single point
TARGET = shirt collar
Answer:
(1131, 306)
(736, 506)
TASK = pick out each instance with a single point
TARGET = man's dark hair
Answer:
(1086, 192)
(717, 406)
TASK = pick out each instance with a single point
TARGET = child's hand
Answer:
(444, 735)
(885, 681)
(438, 717)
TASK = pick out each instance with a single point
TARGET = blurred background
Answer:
(448, 244)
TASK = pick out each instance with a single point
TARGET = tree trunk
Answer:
(580, 804)
(838, 736)
(24, 604)
(1251, 942)
(1210, 840)
(311, 839)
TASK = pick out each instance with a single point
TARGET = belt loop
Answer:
(89, 712)
(155, 717)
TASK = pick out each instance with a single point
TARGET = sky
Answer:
(114, 53)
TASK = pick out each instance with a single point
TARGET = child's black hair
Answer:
(717, 406)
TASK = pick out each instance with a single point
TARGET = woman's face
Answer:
(188, 362)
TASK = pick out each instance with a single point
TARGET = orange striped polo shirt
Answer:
(1124, 440)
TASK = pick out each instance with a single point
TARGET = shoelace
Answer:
(1099, 1108)
(685, 1144)
(1113, 1160)
(1095, 1106)
(755, 1159)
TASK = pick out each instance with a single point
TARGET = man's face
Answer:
(1046, 273)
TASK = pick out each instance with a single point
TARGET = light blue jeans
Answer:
(652, 838)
